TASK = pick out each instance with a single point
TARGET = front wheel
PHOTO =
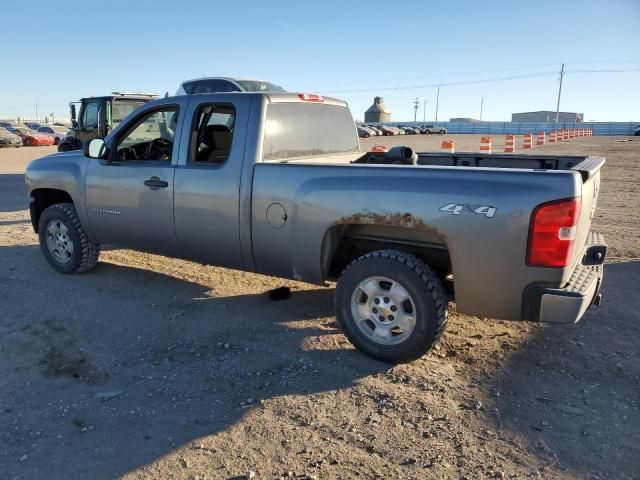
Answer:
(64, 242)
(391, 306)
(442, 132)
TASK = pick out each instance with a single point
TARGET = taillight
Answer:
(552, 233)
(310, 97)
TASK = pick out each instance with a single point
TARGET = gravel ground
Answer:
(149, 367)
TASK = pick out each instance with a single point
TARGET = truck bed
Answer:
(586, 164)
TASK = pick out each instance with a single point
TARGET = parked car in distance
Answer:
(387, 131)
(9, 139)
(636, 132)
(433, 129)
(226, 85)
(9, 124)
(375, 129)
(31, 137)
(364, 132)
(55, 132)
(409, 130)
(32, 125)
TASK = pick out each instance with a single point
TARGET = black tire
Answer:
(442, 132)
(418, 280)
(64, 147)
(427, 132)
(85, 253)
(56, 141)
(27, 142)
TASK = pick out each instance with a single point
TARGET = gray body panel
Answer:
(487, 254)
(287, 219)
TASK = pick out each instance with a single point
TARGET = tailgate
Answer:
(589, 170)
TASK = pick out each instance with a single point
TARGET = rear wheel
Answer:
(27, 142)
(391, 305)
(64, 242)
(64, 147)
(56, 141)
(442, 132)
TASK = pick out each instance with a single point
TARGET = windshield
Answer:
(26, 131)
(301, 130)
(258, 86)
(121, 108)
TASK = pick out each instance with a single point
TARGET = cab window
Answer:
(90, 119)
(150, 138)
(212, 134)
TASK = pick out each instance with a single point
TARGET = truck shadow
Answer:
(573, 391)
(14, 193)
(106, 372)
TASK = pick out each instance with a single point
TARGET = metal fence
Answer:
(599, 128)
(47, 120)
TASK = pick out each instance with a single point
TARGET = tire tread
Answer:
(90, 251)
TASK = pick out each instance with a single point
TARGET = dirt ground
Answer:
(149, 367)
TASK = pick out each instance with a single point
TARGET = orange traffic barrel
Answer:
(552, 136)
(510, 144)
(485, 144)
(448, 146)
(527, 142)
(541, 138)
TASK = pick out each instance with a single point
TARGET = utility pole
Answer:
(559, 93)
(36, 110)
(481, 104)
(424, 112)
(437, 102)
(415, 109)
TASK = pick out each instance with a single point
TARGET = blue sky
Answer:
(67, 50)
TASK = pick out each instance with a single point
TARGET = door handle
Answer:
(154, 183)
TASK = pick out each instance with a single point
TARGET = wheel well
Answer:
(341, 247)
(43, 198)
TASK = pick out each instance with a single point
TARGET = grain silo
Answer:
(377, 113)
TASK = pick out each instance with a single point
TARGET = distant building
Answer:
(463, 120)
(547, 116)
(377, 112)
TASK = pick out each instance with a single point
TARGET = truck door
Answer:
(130, 195)
(89, 120)
(207, 180)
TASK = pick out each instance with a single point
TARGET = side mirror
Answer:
(96, 148)
(73, 112)
(74, 124)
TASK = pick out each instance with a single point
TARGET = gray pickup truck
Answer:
(276, 183)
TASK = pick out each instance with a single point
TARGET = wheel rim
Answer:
(383, 310)
(59, 241)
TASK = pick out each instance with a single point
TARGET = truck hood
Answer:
(53, 164)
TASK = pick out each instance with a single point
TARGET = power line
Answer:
(457, 74)
(444, 84)
(478, 81)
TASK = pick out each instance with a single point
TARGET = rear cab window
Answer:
(212, 134)
(300, 130)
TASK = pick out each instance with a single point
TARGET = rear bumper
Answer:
(569, 303)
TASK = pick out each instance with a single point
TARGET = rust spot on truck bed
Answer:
(405, 220)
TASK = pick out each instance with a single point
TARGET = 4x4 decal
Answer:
(463, 209)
